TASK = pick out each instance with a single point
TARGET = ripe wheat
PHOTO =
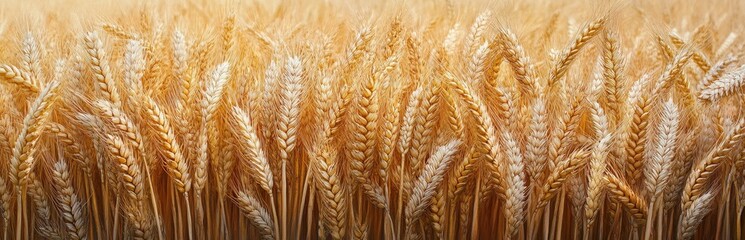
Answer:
(372, 120)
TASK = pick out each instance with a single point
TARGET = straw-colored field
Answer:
(331, 119)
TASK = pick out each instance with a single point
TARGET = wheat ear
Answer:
(716, 71)
(211, 106)
(100, 65)
(486, 134)
(129, 169)
(636, 139)
(598, 164)
(31, 57)
(514, 185)
(475, 36)
(424, 123)
(15, 76)
(624, 195)
(555, 180)
(613, 78)
(724, 86)
(252, 208)
(390, 131)
(657, 171)
(695, 185)
(694, 214)
(71, 208)
(559, 69)
(250, 147)
(332, 191)
(73, 148)
(363, 140)
(22, 161)
(169, 147)
(429, 180)
(515, 55)
(47, 227)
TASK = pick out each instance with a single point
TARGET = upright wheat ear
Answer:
(364, 139)
(210, 107)
(657, 171)
(332, 192)
(100, 66)
(289, 114)
(613, 78)
(598, 164)
(535, 147)
(134, 67)
(71, 207)
(514, 185)
(169, 147)
(22, 161)
(636, 138)
(31, 58)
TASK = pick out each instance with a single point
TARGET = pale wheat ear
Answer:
(694, 214)
(71, 206)
(251, 148)
(258, 215)
(729, 83)
(598, 164)
(428, 181)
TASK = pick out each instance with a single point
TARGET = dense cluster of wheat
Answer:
(330, 120)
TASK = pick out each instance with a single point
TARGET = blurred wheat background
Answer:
(372, 119)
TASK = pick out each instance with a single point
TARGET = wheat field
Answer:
(332, 119)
